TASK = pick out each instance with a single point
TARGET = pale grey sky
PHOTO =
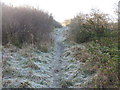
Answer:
(66, 9)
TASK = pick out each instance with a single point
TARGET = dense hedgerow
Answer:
(26, 25)
(100, 36)
(86, 27)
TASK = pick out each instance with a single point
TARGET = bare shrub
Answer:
(26, 25)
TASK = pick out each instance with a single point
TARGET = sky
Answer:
(67, 9)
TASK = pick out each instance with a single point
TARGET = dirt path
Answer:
(58, 51)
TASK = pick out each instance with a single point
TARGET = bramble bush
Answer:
(87, 27)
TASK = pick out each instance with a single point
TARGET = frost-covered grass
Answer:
(74, 74)
(26, 68)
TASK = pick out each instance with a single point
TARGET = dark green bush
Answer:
(94, 26)
(83, 36)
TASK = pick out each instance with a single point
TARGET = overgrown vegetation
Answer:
(106, 58)
(99, 34)
(27, 25)
(87, 27)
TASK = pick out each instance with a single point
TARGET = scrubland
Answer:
(33, 43)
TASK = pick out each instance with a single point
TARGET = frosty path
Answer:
(58, 51)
